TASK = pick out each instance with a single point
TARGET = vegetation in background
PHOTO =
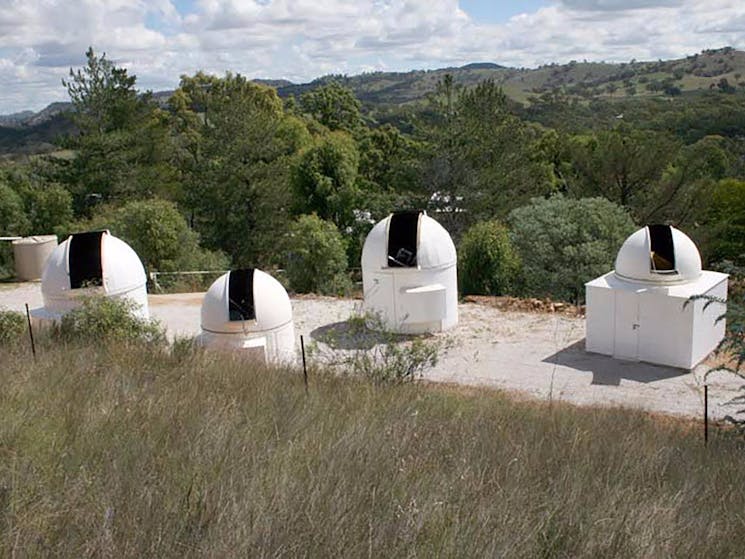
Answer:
(159, 234)
(564, 242)
(202, 454)
(238, 163)
(325, 179)
(487, 262)
(726, 222)
(316, 257)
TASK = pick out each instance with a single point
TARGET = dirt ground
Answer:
(538, 354)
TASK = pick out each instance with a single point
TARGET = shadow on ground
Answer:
(351, 334)
(608, 371)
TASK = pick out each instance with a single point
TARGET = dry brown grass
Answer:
(134, 453)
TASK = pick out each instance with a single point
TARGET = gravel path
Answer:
(538, 355)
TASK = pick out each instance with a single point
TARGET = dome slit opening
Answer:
(84, 260)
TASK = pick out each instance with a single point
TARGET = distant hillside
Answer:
(721, 69)
(712, 69)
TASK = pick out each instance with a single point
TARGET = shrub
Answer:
(487, 262)
(373, 352)
(317, 260)
(12, 326)
(49, 208)
(158, 233)
(13, 219)
(725, 221)
(100, 318)
(564, 243)
(162, 238)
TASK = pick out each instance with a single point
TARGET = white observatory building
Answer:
(639, 311)
(91, 263)
(249, 310)
(409, 274)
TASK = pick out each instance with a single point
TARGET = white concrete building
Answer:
(640, 311)
(409, 274)
(91, 263)
(249, 310)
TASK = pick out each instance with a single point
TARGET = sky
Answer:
(160, 40)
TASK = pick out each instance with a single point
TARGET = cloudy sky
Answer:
(158, 40)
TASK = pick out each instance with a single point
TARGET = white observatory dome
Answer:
(249, 309)
(91, 263)
(415, 238)
(409, 274)
(658, 254)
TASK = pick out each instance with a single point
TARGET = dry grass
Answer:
(127, 453)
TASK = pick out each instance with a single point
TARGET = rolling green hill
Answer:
(720, 70)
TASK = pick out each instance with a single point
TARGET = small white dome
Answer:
(658, 254)
(408, 240)
(95, 262)
(245, 301)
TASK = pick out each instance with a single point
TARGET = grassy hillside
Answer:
(584, 80)
(112, 452)
(721, 70)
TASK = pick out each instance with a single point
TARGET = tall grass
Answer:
(126, 452)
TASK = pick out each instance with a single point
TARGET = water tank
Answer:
(91, 263)
(30, 254)
(409, 274)
(248, 310)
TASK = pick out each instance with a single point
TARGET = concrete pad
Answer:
(539, 355)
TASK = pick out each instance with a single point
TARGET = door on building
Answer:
(626, 336)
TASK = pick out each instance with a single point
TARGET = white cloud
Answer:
(302, 39)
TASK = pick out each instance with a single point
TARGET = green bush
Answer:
(564, 243)
(12, 326)
(317, 260)
(100, 318)
(373, 352)
(158, 233)
(13, 218)
(487, 262)
(49, 208)
(725, 222)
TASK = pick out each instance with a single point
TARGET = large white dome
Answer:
(415, 238)
(92, 262)
(245, 301)
(658, 254)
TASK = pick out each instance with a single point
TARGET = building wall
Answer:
(707, 331)
(599, 320)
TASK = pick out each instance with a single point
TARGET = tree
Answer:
(564, 243)
(487, 262)
(317, 260)
(621, 164)
(334, 106)
(480, 160)
(103, 96)
(725, 222)
(235, 149)
(325, 179)
(123, 147)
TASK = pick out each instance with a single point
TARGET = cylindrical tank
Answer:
(30, 255)
(409, 274)
(248, 310)
(91, 263)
